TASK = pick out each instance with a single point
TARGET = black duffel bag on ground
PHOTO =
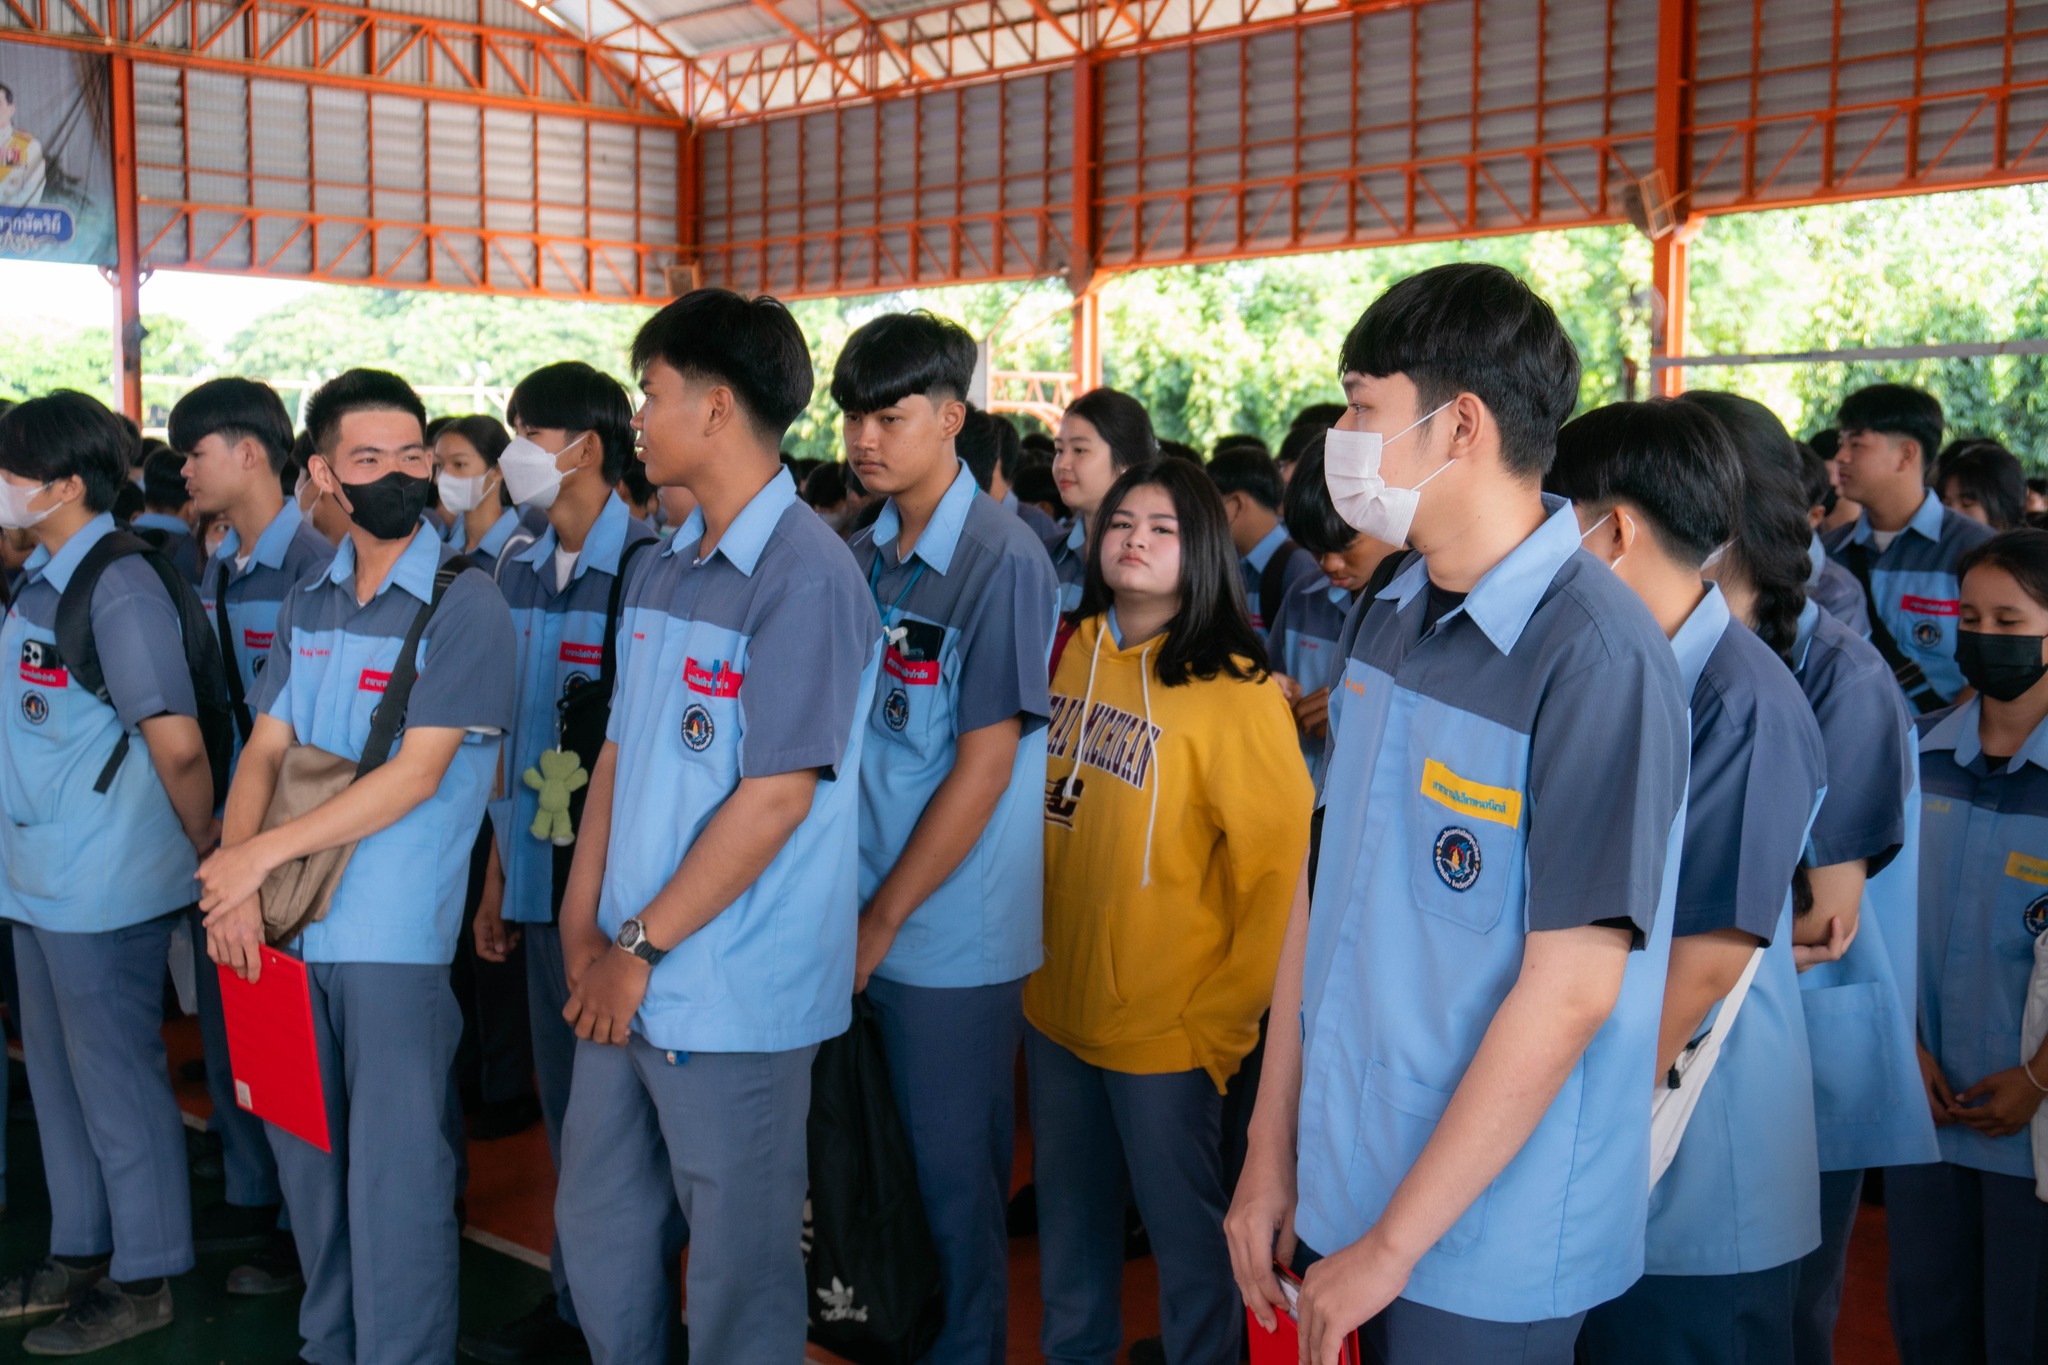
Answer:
(873, 1273)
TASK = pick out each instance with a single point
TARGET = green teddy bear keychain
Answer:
(559, 776)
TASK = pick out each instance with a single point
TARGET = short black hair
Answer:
(1312, 520)
(1240, 440)
(976, 444)
(1036, 484)
(7, 90)
(358, 391)
(1123, 424)
(1895, 410)
(234, 409)
(578, 397)
(1772, 535)
(485, 433)
(163, 478)
(1478, 329)
(2023, 553)
(639, 488)
(67, 434)
(1296, 441)
(1039, 443)
(1826, 443)
(1318, 415)
(1989, 475)
(1672, 459)
(826, 486)
(889, 358)
(1242, 469)
(1179, 450)
(752, 346)
(1009, 448)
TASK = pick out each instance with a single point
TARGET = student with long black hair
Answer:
(1176, 821)
(1102, 434)
(1969, 1237)
(1857, 896)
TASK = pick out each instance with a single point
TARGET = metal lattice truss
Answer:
(611, 149)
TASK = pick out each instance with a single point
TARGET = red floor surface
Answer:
(512, 1197)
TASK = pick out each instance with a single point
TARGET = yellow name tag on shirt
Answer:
(2027, 869)
(1502, 805)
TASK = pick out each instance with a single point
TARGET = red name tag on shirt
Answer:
(1931, 606)
(918, 673)
(257, 639)
(582, 654)
(373, 682)
(46, 677)
(716, 681)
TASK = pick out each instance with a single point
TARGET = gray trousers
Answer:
(374, 1218)
(554, 1062)
(113, 1143)
(714, 1141)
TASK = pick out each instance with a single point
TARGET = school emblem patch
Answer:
(1457, 858)
(2037, 914)
(1926, 634)
(697, 729)
(256, 665)
(896, 709)
(35, 709)
(574, 681)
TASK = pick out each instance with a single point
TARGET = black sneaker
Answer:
(102, 1316)
(233, 1227)
(273, 1270)
(538, 1335)
(48, 1287)
(203, 1155)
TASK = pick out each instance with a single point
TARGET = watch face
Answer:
(631, 935)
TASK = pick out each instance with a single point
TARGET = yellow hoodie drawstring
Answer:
(1087, 701)
(1151, 820)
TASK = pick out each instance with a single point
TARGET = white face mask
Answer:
(14, 500)
(1351, 469)
(530, 473)
(460, 494)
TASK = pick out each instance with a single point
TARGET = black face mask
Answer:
(389, 508)
(2002, 667)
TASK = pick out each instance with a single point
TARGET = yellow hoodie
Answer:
(1170, 860)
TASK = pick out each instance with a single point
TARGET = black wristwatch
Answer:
(633, 938)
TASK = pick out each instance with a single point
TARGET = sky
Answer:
(217, 306)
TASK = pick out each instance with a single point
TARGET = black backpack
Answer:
(81, 654)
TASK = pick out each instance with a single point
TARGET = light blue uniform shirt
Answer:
(561, 647)
(1070, 563)
(1913, 587)
(758, 659)
(400, 899)
(286, 553)
(1299, 572)
(1519, 768)
(1836, 590)
(968, 622)
(1869, 1105)
(77, 861)
(485, 555)
(1743, 1193)
(1983, 902)
(1303, 642)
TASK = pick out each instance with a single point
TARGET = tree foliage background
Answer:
(1241, 346)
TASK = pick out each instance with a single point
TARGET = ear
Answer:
(952, 417)
(325, 479)
(721, 410)
(251, 453)
(1626, 529)
(1469, 420)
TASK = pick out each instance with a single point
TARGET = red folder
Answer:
(1282, 1345)
(270, 1047)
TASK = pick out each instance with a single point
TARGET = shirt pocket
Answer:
(38, 860)
(914, 700)
(1397, 1117)
(1851, 1030)
(1467, 843)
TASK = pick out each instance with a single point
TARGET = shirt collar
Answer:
(1698, 636)
(56, 570)
(601, 546)
(1957, 731)
(748, 535)
(1926, 520)
(161, 521)
(417, 565)
(1077, 534)
(271, 542)
(1816, 558)
(1010, 500)
(1262, 553)
(1809, 619)
(942, 533)
(1502, 602)
(501, 531)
